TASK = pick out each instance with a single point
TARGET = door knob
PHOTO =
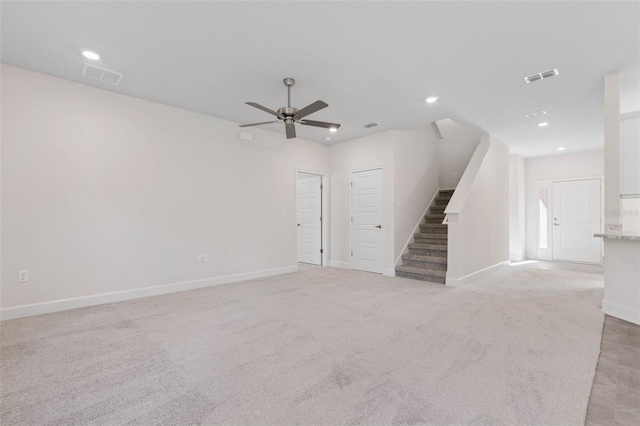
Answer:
(378, 226)
(556, 224)
(298, 224)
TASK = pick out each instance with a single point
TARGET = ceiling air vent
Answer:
(370, 125)
(540, 76)
(101, 74)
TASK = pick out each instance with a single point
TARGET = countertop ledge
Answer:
(619, 237)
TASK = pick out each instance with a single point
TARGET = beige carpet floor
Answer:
(321, 346)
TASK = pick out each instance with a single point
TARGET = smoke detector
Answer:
(101, 74)
(540, 76)
(370, 125)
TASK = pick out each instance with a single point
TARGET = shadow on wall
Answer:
(455, 150)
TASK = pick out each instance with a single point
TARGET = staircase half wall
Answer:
(478, 215)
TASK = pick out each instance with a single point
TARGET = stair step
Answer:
(432, 239)
(430, 235)
(424, 261)
(437, 209)
(434, 228)
(423, 274)
(446, 192)
(428, 249)
(442, 201)
(432, 242)
(436, 215)
(435, 218)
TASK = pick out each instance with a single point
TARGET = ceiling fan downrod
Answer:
(289, 82)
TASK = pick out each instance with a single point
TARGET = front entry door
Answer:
(366, 220)
(576, 217)
(310, 219)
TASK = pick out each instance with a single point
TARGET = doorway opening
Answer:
(311, 204)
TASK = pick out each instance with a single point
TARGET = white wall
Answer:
(564, 166)
(416, 180)
(630, 155)
(367, 152)
(455, 150)
(622, 279)
(621, 257)
(478, 215)
(517, 186)
(107, 193)
(410, 159)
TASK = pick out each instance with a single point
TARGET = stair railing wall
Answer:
(478, 215)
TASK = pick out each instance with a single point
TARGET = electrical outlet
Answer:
(199, 259)
(23, 276)
(230, 255)
(205, 257)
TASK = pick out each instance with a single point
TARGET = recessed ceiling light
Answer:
(561, 148)
(327, 138)
(431, 99)
(543, 124)
(90, 55)
(333, 129)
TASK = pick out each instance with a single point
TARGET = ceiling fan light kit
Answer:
(290, 115)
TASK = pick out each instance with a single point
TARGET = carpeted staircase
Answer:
(427, 257)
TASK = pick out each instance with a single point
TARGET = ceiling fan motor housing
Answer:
(288, 111)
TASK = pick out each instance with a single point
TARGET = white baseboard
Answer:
(520, 258)
(622, 312)
(118, 296)
(336, 264)
(389, 272)
(457, 282)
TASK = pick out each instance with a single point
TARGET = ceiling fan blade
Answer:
(310, 109)
(291, 130)
(257, 124)
(319, 124)
(265, 109)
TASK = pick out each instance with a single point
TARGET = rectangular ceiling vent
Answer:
(540, 76)
(101, 74)
(370, 125)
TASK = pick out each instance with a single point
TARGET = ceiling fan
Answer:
(290, 115)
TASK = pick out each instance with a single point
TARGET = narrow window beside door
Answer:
(543, 214)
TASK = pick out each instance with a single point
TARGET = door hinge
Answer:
(351, 252)
(351, 184)
(321, 186)
(321, 251)
(351, 218)
(320, 218)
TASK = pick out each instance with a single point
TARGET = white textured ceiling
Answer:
(373, 61)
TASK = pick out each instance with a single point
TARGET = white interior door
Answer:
(576, 216)
(366, 218)
(309, 216)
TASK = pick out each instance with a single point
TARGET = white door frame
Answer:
(325, 212)
(384, 215)
(548, 253)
